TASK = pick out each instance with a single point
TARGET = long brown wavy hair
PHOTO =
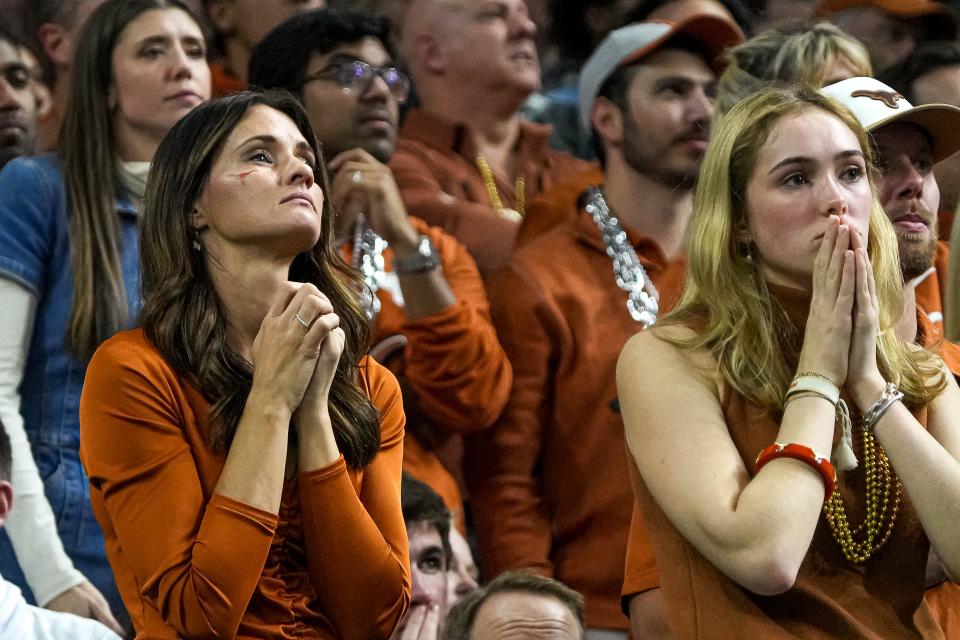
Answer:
(182, 315)
(87, 146)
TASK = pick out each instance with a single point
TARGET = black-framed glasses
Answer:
(358, 76)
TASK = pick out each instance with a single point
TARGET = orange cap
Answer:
(905, 8)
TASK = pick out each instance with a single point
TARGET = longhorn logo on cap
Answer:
(889, 98)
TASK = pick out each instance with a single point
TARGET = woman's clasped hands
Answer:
(840, 341)
(297, 350)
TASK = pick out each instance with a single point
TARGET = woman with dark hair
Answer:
(69, 279)
(243, 420)
(798, 459)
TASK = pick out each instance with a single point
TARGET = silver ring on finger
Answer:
(297, 317)
(357, 176)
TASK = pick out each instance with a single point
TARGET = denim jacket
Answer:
(35, 251)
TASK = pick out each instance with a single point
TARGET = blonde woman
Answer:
(781, 357)
(817, 56)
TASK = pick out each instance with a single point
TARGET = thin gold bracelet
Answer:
(816, 375)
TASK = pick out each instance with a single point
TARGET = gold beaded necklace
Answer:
(494, 193)
(867, 538)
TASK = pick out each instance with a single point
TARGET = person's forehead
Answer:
(423, 535)
(902, 137)
(11, 54)
(674, 61)
(466, 6)
(513, 614)
(811, 133)
(263, 120)
(368, 49)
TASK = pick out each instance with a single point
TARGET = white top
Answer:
(20, 621)
(31, 526)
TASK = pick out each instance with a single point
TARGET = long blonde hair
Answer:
(737, 320)
(777, 57)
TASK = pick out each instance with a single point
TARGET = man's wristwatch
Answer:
(424, 259)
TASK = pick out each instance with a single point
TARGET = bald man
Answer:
(466, 161)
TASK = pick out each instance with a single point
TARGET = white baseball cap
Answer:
(631, 43)
(875, 104)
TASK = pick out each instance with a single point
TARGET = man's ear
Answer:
(6, 500)
(428, 51)
(607, 121)
(56, 44)
(221, 16)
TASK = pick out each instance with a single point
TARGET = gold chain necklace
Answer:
(494, 194)
(867, 538)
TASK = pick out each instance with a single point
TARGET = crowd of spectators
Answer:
(422, 319)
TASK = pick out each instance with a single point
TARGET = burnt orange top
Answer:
(549, 483)
(640, 573)
(333, 563)
(223, 82)
(929, 292)
(831, 598)
(435, 168)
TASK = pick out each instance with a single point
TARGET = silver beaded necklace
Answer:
(367, 258)
(642, 296)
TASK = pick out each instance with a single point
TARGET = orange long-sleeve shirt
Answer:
(192, 563)
(435, 168)
(549, 482)
(452, 360)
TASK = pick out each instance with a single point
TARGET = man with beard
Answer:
(908, 142)
(549, 483)
(19, 100)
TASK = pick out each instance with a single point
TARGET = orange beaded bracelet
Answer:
(804, 454)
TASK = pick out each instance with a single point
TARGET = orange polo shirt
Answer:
(435, 166)
(453, 361)
(549, 483)
(189, 562)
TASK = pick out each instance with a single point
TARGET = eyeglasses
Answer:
(358, 76)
